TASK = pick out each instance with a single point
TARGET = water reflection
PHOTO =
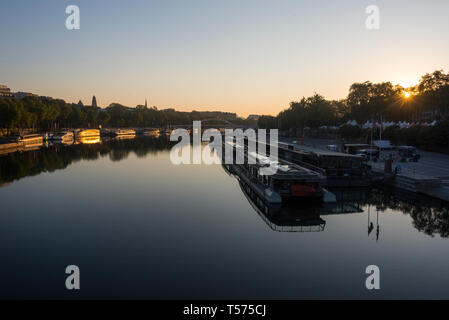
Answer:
(58, 156)
(298, 217)
(88, 140)
(430, 216)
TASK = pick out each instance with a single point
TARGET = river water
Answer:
(139, 227)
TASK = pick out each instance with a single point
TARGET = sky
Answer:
(243, 56)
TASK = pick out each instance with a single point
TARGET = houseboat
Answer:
(340, 169)
(30, 139)
(63, 136)
(291, 182)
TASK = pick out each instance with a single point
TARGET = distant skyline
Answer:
(248, 57)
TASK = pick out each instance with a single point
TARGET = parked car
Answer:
(408, 153)
(353, 148)
(363, 155)
(368, 154)
(383, 144)
(332, 147)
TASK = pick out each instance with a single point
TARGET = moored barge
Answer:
(340, 169)
(290, 182)
(30, 139)
(63, 136)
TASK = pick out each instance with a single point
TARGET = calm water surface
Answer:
(140, 227)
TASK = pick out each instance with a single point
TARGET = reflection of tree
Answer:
(429, 215)
(432, 221)
(118, 154)
(18, 165)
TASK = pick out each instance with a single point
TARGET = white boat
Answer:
(31, 139)
(63, 136)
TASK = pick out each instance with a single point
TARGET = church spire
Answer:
(94, 101)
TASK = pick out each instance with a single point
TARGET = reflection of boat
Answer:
(63, 136)
(67, 142)
(297, 217)
(22, 143)
(152, 132)
(119, 132)
(125, 137)
(89, 140)
(31, 147)
(87, 133)
(10, 146)
(166, 132)
(303, 219)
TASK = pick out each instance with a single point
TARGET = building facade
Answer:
(253, 117)
(21, 95)
(219, 115)
(5, 92)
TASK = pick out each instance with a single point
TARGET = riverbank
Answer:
(428, 176)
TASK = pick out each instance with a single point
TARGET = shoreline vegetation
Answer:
(43, 114)
(426, 102)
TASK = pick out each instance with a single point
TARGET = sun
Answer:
(407, 94)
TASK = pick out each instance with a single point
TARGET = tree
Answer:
(267, 122)
(9, 114)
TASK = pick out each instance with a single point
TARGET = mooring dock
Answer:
(417, 183)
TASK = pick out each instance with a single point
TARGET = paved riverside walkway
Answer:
(430, 164)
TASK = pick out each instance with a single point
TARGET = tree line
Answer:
(375, 102)
(367, 101)
(43, 114)
(429, 100)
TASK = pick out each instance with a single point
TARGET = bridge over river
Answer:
(215, 123)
